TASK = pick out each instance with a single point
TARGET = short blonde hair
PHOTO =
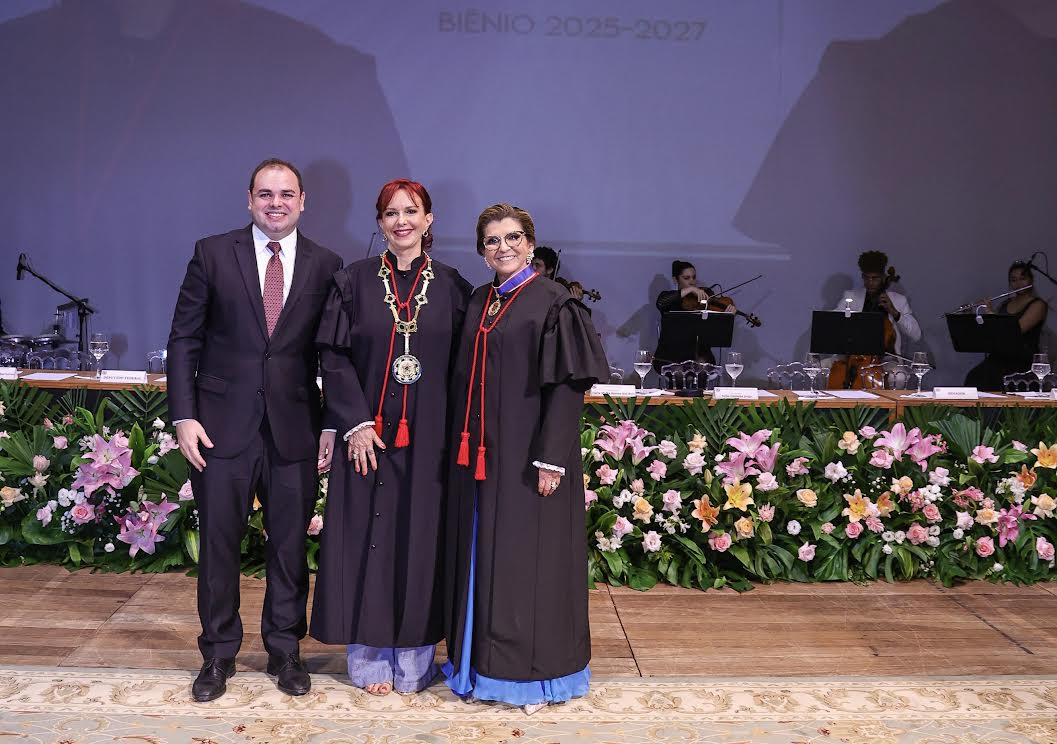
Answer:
(499, 212)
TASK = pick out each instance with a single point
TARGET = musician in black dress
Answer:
(1030, 311)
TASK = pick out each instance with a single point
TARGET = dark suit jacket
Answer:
(224, 371)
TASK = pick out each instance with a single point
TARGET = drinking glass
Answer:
(734, 366)
(98, 346)
(643, 363)
(1040, 365)
(920, 366)
(812, 366)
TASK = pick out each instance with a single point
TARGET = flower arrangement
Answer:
(811, 500)
(101, 489)
(696, 495)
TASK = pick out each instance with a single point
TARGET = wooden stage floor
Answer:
(51, 617)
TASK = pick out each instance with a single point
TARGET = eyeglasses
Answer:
(512, 239)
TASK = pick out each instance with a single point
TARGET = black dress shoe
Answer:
(292, 677)
(212, 681)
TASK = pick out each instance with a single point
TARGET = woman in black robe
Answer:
(377, 589)
(516, 565)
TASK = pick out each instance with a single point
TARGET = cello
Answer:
(854, 371)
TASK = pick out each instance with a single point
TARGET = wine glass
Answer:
(98, 346)
(1040, 365)
(734, 366)
(812, 366)
(643, 364)
(920, 366)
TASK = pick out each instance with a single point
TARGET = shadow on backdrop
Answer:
(934, 143)
(135, 130)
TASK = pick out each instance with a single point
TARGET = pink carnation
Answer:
(882, 458)
(657, 470)
(982, 454)
(985, 546)
(853, 530)
(40, 463)
(766, 513)
(1044, 548)
(874, 524)
(917, 533)
(796, 467)
(720, 543)
(607, 476)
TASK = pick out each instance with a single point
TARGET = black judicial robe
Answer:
(379, 563)
(530, 614)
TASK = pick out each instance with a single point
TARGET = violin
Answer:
(858, 370)
(591, 294)
(716, 303)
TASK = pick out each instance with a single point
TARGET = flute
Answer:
(1004, 295)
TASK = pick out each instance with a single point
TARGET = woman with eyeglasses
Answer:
(386, 341)
(1030, 311)
(516, 567)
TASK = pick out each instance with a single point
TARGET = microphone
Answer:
(23, 266)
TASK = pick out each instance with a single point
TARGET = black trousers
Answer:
(224, 493)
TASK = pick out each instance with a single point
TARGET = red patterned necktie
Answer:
(273, 288)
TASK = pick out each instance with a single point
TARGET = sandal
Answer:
(381, 689)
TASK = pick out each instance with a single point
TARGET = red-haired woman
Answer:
(386, 341)
(516, 576)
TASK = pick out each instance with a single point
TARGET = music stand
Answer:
(985, 333)
(839, 332)
(684, 331)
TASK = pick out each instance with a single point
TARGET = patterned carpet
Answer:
(87, 706)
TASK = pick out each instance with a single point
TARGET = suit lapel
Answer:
(302, 271)
(245, 255)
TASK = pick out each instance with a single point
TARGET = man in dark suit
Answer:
(242, 392)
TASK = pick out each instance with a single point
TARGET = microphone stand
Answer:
(81, 303)
(1035, 267)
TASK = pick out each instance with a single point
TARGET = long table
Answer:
(894, 401)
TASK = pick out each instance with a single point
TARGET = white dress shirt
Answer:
(906, 327)
(287, 254)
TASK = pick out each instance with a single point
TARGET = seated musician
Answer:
(1030, 311)
(545, 263)
(687, 295)
(874, 296)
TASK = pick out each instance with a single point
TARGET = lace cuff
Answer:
(356, 428)
(552, 468)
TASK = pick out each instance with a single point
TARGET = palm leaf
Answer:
(962, 433)
(25, 406)
(853, 419)
(928, 416)
(137, 406)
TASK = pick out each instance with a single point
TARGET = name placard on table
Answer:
(736, 393)
(8, 373)
(615, 390)
(955, 393)
(123, 376)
